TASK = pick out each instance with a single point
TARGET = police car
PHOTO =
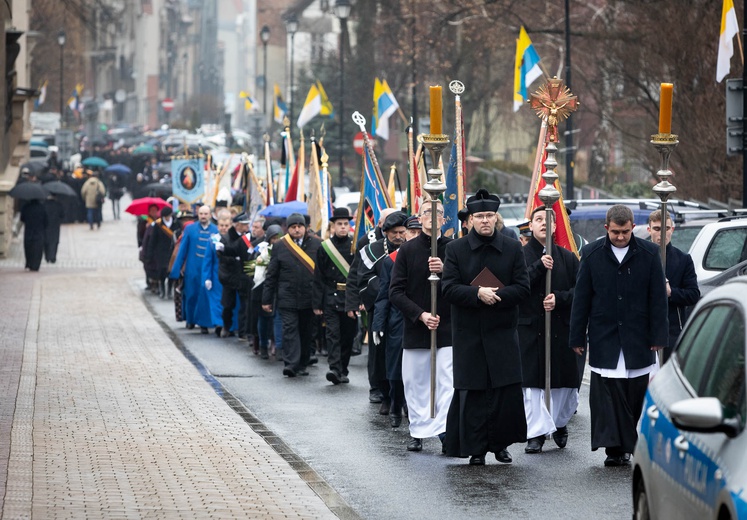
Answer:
(691, 456)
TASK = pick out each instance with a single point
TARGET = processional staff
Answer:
(553, 103)
(665, 142)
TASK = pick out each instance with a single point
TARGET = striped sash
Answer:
(299, 253)
(336, 257)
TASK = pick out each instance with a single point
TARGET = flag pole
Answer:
(457, 88)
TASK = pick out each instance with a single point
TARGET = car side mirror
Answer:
(702, 415)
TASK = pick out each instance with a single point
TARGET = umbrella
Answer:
(95, 162)
(29, 191)
(118, 169)
(285, 209)
(59, 188)
(156, 189)
(140, 206)
(33, 167)
(144, 149)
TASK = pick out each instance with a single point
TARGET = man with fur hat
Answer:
(484, 279)
(369, 272)
(333, 261)
(290, 278)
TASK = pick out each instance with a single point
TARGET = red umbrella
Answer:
(140, 206)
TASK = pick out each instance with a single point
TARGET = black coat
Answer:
(369, 270)
(410, 292)
(564, 369)
(685, 292)
(55, 217)
(160, 245)
(623, 304)
(486, 344)
(288, 278)
(389, 320)
(327, 276)
(231, 261)
(352, 296)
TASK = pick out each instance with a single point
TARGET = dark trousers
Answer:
(297, 336)
(377, 362)
(616, 406)
(33, 249)
(340, 332)
(228, 300)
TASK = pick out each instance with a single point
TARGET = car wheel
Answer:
(640, 502)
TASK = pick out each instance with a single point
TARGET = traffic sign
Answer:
(359, 143)
(167, 105)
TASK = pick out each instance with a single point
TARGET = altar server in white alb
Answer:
(410, 292)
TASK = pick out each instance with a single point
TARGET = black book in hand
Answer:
(487, 279)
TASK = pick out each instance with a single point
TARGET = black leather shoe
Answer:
(384, 408)
(374, 396)
(561, 437)
(344, 379)
(395, 420)
(333, 377)
(204, 330)
(477, 460)
(313, 361)
(263, 354)
(415, 444)
(289, 372)
(613, 461)
(302, 372)
(190, 326)
(535, 445)
(219, 331)
(504, 457)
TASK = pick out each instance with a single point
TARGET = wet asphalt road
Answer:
(341, 436)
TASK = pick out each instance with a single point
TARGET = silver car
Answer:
(691, 456)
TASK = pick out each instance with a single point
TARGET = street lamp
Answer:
(61, 40)
(291, 25)
(342, 11)
(264, 35)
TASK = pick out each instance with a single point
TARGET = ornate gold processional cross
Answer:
(553, 103)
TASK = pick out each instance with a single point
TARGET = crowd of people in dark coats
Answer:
(295, 296)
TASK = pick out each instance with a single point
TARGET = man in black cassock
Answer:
(55, 216)
(565, 375)
(487, 410)
(621, 297)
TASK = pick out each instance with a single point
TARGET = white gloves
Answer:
(208, 284)
(376, 336)
(220, 246)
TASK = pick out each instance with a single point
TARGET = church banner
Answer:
(188, 179)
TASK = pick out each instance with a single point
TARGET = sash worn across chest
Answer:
(163, 227)
(247, 241)
(299, 254)
(336, 257)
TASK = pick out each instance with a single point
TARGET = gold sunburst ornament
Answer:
(553, 103)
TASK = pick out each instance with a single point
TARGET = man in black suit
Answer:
(682, 282)
(487, 410)
(621, 298)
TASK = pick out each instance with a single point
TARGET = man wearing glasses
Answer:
(682, 282)
(410, 292)
(484, 279)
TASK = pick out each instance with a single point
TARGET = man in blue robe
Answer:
(195, 244)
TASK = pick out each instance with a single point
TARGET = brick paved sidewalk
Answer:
(105, 417)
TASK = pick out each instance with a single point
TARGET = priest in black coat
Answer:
(55, 216)
(564, 368)
(487, 411)
(34, 218)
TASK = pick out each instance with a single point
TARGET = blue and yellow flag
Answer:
(526, 68)
(280, 109)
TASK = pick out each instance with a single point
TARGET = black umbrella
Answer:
(59, 188)
(157, 189)
(33, 167)
(29, 191)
